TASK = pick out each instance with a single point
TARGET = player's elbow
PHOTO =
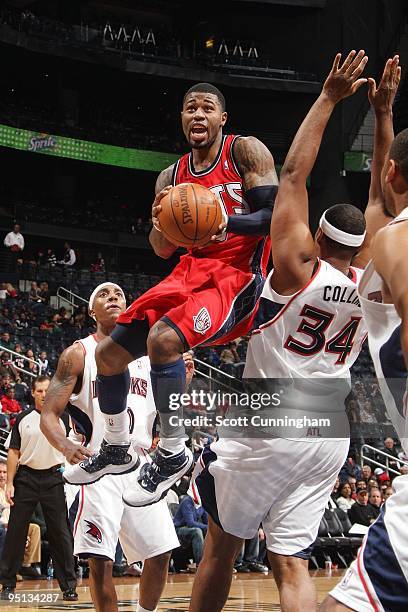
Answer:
(291, 175)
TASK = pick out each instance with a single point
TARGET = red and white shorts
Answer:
(205, 300)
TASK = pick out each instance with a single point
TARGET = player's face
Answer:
(202, 119)
(39, 393)
(108, 304)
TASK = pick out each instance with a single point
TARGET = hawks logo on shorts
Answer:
(202, 321)
(94, 531)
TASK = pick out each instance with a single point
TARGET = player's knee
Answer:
(160, 563)
(286, 568)
(163, 344)
(110, 357)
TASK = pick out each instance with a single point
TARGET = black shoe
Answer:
(118, 571)
(255, 566)
(110, 459)
(6, 592)
(70, 595)
(242, 568)
(31, 573)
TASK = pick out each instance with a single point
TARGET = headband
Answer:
(353, 240)
(97, 289)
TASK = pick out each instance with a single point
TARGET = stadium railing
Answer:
(20, 357)
(3, 437)
(65, 296)
(368, 458)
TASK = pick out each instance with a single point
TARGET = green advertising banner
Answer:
(357, 161)
(84, 150)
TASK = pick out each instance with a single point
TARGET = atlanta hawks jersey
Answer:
(224, 180)
(88, 424)
(384, 339)
(317, 332)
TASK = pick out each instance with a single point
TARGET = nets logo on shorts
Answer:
(94, 531)
(202, 321)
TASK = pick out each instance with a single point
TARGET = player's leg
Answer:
(153, 581)
(101, 584)
(214, 575)
(296, 588)
(332, 605)
(112, 355)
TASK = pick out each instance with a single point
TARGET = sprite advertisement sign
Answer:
(357, 161)
(84, 150)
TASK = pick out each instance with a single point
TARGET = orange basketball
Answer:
(190, 215)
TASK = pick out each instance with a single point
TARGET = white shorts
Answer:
(378, 580)
(283, 484)
(101, 518)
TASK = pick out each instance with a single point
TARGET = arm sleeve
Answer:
(261, 201)
(7, 240)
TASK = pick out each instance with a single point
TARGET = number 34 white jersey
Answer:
(317, 332)
(87, 421)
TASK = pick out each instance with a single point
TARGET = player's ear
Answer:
(224, 117)
(318, 235)
(92, 314)
(391, 171)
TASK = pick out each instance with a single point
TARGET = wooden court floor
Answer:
(249, 593)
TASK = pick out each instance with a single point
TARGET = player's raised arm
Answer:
(161, 246)
(293, 247)
(382, 100)
(260, 185)
(68, 375)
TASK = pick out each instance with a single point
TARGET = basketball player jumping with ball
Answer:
(210, 298)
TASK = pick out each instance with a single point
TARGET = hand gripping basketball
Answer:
(188, 215)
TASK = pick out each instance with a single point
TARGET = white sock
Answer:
(117, 428)
(140, 609)
(172, 445)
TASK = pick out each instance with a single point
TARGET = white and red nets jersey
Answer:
(317, 332)
(223, 179)
(88, 424)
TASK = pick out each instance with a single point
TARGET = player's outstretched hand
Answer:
(74, 453)
(343, 81)
(382, 97)
(190, 369)
(222, 228)
(10, 494)
(156, 207)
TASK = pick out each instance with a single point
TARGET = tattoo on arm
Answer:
(164, 178)
(255, 162)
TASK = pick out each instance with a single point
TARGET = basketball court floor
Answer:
(249, 593)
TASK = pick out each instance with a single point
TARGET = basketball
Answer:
(190, 215)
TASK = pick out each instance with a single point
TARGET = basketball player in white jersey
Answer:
(101, 517)
(312, 328)
(378, 580)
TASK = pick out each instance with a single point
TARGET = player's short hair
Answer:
(38, 380)
(207, 88)
(399, 152)
(347, 218)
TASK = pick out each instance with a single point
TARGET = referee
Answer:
(34, 475)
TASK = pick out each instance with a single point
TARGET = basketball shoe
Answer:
(110, 459)
(156, 478)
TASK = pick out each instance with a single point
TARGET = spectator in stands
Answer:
(361, 484)
(375, 498)
(350, 468)
(21, 322)
(247, 558)
(345, 500)
(15, 240)
(51, 258)
(44, 292)
(352, 482)
(3, 292)
(191, 522)
(388, 491)
(336, 489)
(34, 293)
(33, 367)
(6, 342)
(367, 473)
(404, 470)
(69, 256)
(32, 554)
(362, 512)
(11, 291)
(230, 354)
(22, 393)
(9, 405)
(390, 449)
(43, 361)
(372, 484)
(99, 265)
